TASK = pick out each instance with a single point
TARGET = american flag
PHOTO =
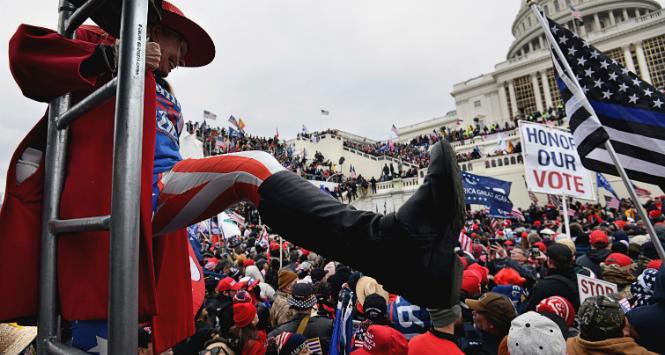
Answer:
(625, 305)
(233, 121)
(533, 197)
(576, 14)
(209, 115)
(466, 243)
(394, 129)
(628, 111)
(314, 345)
(515, 213)
(641, 192)
(554, 200)
(237, 218)
(611, 202)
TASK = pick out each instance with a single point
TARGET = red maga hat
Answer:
(201, 49)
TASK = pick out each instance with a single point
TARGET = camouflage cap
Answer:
(600, 318)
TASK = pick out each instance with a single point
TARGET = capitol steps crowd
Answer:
(518, 293)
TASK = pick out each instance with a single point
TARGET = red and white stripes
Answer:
(196, 189)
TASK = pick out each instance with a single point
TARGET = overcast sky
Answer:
(371, 63)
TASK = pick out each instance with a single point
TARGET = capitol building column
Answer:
(628, 57)
(513, 100)
(536, 92)
(503, 101)
(613, 21)
(642, 62)
(546, 89)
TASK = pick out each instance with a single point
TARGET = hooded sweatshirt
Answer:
(648, 320)
(592, 260)
(617, 346)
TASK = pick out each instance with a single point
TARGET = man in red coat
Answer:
(176, 193)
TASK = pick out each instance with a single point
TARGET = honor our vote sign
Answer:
(551, 162)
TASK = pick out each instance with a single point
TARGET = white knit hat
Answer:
(533, 333)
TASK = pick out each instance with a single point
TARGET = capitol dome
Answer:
(598, 15)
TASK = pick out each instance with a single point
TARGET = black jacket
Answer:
(592, 260)
(317, 327)
(647, 320)
(557, 283)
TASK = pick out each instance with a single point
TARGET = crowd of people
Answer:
(518, 293)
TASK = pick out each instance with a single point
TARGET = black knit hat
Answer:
(560, 253)
(302, 296)
(375, 307)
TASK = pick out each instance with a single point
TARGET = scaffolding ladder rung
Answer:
(93, 100)
(81, 14)
(87, 224)
(57, 348)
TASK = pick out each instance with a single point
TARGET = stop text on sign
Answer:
(551, 162)
(590, 287)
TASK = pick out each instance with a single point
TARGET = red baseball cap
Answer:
(248, 262)
(541, 246)
(509, 276)
(618, 259)
(483, 271)
(654, 213)
(383, 340)
(471, 280)
(654, 264)
(228, 283)
(598, 237)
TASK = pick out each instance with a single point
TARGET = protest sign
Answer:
(551, 162)
(589, 287)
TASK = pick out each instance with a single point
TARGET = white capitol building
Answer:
(631, 32)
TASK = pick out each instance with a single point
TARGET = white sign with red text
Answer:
(551, 163)
(590, 287)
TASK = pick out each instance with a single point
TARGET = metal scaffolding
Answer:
(123, 223)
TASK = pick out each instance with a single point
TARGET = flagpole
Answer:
(566, 218)
(608, 145)
(636, 201)
(281, 242)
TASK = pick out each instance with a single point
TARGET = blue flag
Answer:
(192, 232)
(602, 182)
(233, 132)
(487, 191)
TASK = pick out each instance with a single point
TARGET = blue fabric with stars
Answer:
(90, 336)
(487, 191)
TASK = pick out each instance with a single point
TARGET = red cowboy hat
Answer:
(201, 49)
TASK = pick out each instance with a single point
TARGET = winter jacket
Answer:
(317, 327)
(592, 260)
(280, 312)
(617, 346)
(557, 283)
(648, 320)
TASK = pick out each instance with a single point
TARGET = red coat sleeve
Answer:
(46, 65)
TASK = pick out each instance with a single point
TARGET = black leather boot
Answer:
(410, 252)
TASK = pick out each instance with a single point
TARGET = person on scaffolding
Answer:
(176, 193)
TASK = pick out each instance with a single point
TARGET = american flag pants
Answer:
(197, 189)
